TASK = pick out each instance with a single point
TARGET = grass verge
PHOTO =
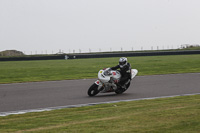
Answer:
(29, 71)
(177, 114)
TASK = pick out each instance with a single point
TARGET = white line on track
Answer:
(87, 104)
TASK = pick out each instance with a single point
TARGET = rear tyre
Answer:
(127, 86)
(121, 90)
(93, 90)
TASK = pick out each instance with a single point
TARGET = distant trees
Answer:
(188, 46)
(11, 53)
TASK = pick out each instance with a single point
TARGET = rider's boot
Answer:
(124, 87)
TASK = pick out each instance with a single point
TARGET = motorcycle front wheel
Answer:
(93, 90)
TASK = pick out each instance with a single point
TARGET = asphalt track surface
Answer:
(34, 95)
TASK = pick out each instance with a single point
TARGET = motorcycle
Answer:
(106, 82)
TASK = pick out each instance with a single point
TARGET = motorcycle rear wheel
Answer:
(93, 90)
(121, 90)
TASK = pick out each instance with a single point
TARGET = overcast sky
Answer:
(50, 25)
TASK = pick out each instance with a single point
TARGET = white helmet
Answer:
(123, 61)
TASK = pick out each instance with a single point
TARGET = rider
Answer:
(125, 70)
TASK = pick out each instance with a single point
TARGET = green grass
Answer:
(178, 114)
(30, 71)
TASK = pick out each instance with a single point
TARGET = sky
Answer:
(50, 26)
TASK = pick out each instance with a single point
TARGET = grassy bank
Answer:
(28, 71)
(178, 114)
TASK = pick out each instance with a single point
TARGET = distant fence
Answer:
(99, 55)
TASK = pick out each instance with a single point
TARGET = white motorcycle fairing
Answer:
(133, 73)
(106, 80)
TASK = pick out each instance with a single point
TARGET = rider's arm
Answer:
(115, 67)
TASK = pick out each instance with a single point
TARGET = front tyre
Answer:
(93, 90)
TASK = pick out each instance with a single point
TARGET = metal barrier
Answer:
(131, 54)
(24, 58)
(100, 55)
